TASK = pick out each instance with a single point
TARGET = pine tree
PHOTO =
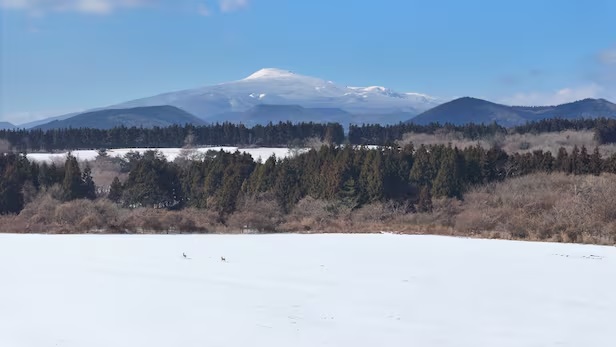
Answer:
(574, 161)
(287, 187)
(115, 191)
(425, 201)
(72, 185)
(583, 161)
(447, 183)
(562, 162)
(11, 182)
(88, 187)
(596, 163)
(421, 171)
(371, 177)
(348, 193)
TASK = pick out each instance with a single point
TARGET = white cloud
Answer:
(40, 7)
(558, 97)
(84, 6)
(232, 5)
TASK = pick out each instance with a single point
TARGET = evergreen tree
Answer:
(88, 186)
(348, 194)
(421, 173)
(562, 162)
(583, 162)
(574, 161)
(371, 177)
(596, 163)
(153, 182)
(447, 183)
(287, 187)
(72, 185)
(11, 183)
(115, 191)
(424, 203)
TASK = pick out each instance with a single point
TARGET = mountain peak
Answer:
(270, 73)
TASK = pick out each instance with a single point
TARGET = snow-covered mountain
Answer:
(280, 87)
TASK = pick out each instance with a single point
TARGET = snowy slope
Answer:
(279, 87)
(262, 153)
(304, 291)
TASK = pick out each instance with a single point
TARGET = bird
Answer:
(223, 259)
(184, 254)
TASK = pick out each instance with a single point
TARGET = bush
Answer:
(258, 213)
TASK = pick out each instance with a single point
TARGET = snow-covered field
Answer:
(303, 290)
(262, 153)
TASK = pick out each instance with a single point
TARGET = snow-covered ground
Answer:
(303, 290)
(262, 153)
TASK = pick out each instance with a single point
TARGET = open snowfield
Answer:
(303, 290)
(262, 153)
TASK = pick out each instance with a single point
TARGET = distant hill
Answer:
(147, 117)
(471, 110)
(6, 125)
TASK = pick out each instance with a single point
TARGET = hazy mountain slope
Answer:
(471, 110)
(146, 117)
(36, 123)
(587, 108)
(6, 125)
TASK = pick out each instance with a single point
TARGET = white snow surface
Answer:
(261, 153)
(270, 73)
(303, 290)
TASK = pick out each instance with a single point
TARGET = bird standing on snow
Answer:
(184, 254)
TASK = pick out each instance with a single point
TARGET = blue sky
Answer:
(58, 56)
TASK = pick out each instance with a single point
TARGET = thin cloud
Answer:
(232, 5)
(18, 118)
(103, 7)
(558, 97)
(203, 10)
(511, 80)
(608, 57)
(83, 6)
(599, 82)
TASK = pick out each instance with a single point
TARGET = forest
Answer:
(279, 135)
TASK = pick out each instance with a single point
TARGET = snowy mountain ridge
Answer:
(272, 86)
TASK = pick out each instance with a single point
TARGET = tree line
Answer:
(353, 176)
(224, 134)
(280, 134)
(604, 130)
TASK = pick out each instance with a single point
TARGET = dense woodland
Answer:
(226, 134)
(352, 176)
(278, 135)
